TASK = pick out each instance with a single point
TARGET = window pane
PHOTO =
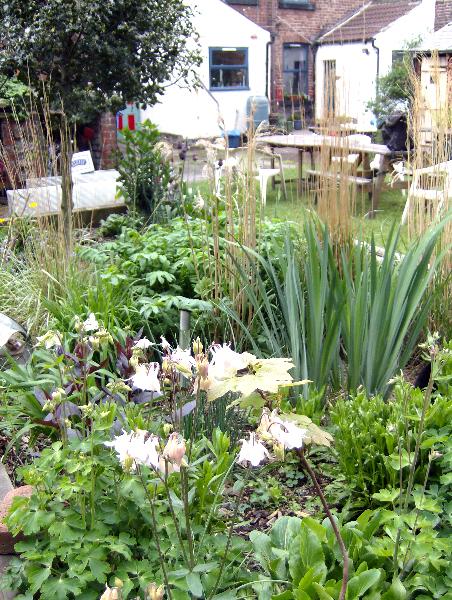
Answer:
(295, 59)
(228, 78)
(229, 57)
(295, 83)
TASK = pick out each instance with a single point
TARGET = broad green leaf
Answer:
(205, 568)
(323, 595)
(358, 585)
(386, 495)
(396, 592)
(284, 531)
(194, 584)
(38, 578)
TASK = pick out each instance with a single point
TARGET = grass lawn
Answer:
(390, 208)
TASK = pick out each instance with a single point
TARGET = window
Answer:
(228, 68)
(295, 69)
(297, 4)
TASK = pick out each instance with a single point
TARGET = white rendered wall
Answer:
(356, 63)
(194, 114)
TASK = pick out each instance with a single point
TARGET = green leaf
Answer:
(100, 569)
(284, 531)
(205, 568)
(323, 595)
(361, 583)
(386, 495)
(38, 578)
(194, 584)
(60, 588)
(396, 592)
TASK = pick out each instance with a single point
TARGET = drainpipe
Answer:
(378, 66)
(267, 52)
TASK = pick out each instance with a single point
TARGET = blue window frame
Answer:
(297, 4)
(228, 68)
(295, 69)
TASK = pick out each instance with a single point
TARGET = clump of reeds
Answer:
(34, 252)
(430, 126)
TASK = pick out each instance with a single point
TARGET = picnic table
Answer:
(342, 146)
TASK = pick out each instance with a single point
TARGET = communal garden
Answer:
(211, 402)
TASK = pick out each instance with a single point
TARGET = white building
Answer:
(360, 48)
(234, 68)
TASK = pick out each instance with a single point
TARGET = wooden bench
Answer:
(363, 184)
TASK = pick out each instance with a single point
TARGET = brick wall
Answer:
(443, 13)
(17, 139)
(297, 26)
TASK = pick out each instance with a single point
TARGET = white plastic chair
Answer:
(431, 184)
(238, 158)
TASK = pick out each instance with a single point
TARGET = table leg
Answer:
(385, 161)
(300, 171)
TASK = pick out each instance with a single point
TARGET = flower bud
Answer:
(58, 395)
(95, 342)
(134, 362)
(183, 369)
(127, 463)
(166, 365)
(278, 449)
(167, 429)
(174, 449)
(197, 347)
(202, 368)
(119, 583)
(154, 592)
(110, 593)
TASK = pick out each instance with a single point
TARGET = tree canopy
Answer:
(89, 55)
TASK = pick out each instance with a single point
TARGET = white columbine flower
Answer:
(252, 451)
(288, 434)
(91, 323)
(225, 362)
(49, 340)
(143, 344)
(182, 359)
(146, 377)
(134, 446)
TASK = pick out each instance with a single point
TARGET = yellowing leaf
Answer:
(269, 374)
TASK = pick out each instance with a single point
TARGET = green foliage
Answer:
(114, 224)
(144, 176)
(367, 434)
(13, 94)
(89, 522)
(308, 309)
(49, 394)
(157, 270)
(63, 48)
(395, 88)
(302, 560)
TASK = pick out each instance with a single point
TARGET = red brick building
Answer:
(294, 25)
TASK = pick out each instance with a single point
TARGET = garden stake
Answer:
(305, 464)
